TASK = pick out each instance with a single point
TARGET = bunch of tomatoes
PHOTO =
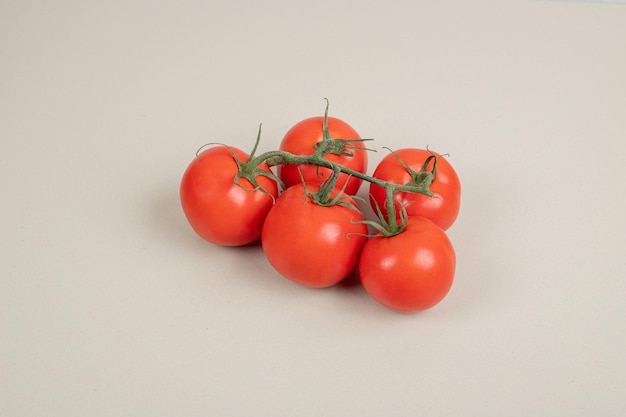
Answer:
(301, 201)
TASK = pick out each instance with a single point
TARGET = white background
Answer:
(111, 306)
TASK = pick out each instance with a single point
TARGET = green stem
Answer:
(277, 157)
(391, 211)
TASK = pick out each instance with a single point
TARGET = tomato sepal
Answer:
(326, 196)
(388, 226)
(423, 178)
(338, 146)
(250, 170)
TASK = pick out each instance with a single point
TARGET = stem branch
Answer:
(277, 157)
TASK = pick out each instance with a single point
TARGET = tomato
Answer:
(411, 271)
(218, 209)
(301, 140)
(313, 245)
(442, 208)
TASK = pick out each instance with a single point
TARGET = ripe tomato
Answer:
(301, 140)
(310, 244)
(219, 210)
(411, 271)
(442, 208)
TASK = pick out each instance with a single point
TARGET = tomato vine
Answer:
(420, 183)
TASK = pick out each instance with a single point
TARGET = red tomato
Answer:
(219, 210)
(411, 271)
(310, 244)
(442, 208)
(301, 139)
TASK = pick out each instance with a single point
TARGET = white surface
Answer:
(111, 306)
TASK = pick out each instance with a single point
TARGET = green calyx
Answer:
(324, 195)
(388, 225)
(250, 170)
(337, 146)
(344, 147)
(423, 178)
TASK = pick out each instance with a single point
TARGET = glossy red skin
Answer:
(219, 210)
(301, 139)
(310, 244)
(412, 271)
(442, 208)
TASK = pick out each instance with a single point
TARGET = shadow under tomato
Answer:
(351, 282)
(254, 244)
